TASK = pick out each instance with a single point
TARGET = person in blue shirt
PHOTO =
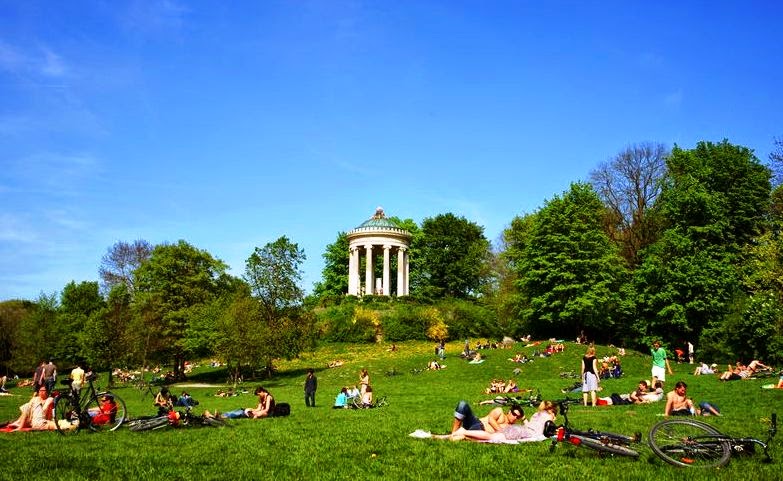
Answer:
(341, 402)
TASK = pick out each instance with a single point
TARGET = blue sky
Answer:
(230, 124)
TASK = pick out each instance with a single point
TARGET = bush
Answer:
(340, 324)
(403, 324)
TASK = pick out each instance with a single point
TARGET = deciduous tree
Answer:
(452, 255)
(570, 271)
(629, 185)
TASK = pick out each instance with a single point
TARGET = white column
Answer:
(369, 282)
(400, 271)
(407, 273)
(386, 273)
(353, 271)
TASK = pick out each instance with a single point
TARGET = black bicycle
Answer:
(88, 408)
(690, 443)
(605, 443)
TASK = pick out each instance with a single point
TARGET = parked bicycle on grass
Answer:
(689, 443)
(89, 408)
(176, 419)
(605, 443)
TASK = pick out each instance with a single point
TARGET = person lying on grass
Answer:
(495, 421)
(532, 428)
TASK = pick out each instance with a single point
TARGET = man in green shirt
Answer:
(660, 363)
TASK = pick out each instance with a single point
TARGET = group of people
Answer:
(520, 358)
(497, 386)
(742, 371)
(351, 396)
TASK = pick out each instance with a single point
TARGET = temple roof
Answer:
(379, 220)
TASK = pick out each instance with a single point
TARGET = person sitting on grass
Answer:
(704, 369)
(266, 404)
(352, 392)
(641, 390)
(678, 403)
(367, 397)
(529, 429)
(107, 412)
(341, 401)
(434, 365)
(511, 386)
(265, 408)
(36, 414)
(496, 386)
(163, 401)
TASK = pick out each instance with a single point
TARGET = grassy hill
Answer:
(322, 443)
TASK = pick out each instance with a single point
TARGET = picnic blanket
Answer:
(422, 434)
(9, 429)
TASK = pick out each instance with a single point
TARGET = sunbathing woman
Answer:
(36, 413)
(531, 429)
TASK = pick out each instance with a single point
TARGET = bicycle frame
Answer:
(76, 410)
(603, 442)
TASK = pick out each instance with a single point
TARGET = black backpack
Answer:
(282, 409)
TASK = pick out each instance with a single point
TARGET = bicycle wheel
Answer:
(606, 447)
(103, 416)
(150, 424)
(689, 443)
(65, 417)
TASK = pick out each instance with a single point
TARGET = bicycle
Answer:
(602, 442)
(175, 419)
(88, 408)
(532, 400)
(695, 444)
(357, 403)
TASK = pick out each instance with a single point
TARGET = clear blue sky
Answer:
(230, 124)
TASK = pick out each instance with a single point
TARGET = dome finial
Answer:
(379, 213)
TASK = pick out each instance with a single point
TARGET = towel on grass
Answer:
(421, 434)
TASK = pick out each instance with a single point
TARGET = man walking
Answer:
(49, 376)
(660, 363)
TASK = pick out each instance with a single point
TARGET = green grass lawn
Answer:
(323, 443)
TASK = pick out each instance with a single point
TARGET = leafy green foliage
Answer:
(334, 276)
(452, 254)
(569, 271)
(273, 273)
(714, 203)
(171, 287)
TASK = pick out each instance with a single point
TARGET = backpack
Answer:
(282, 409)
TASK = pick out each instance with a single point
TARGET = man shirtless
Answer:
(493, 422)
(677, 402)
